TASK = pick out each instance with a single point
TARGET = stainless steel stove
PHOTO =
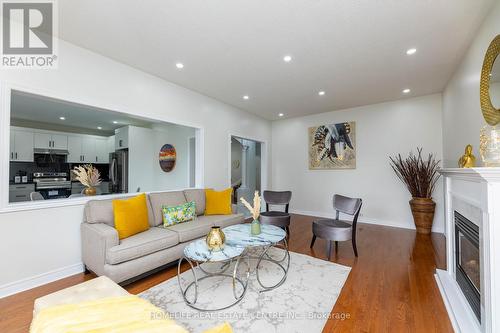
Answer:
(52, 185)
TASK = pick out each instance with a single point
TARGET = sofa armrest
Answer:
(97, 238)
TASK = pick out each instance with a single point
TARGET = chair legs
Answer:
(354, 245)
(329, 246)
(312, 241)
(329, 249)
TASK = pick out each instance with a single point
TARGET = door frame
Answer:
(264, 158)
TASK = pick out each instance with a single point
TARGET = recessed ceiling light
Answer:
(280, 115)
(321, 93)
(411, 51)
(115, 122)
(179, 65)
(99, 127)
(62, 118)
(246, 97)
(406, 91)
(287, 58)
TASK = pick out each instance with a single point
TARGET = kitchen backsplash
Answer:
(47, 165)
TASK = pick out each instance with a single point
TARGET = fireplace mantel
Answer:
(473, 174)
(475, 194)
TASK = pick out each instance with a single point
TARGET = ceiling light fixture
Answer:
(406, 91)
(411, 51)
(321, 93)
(287, 58)
(246, 97)
(179, 65)
(280, 115)
(62, 118)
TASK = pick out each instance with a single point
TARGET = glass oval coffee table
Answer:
(240, 244)
(197, 253)
(239, 236)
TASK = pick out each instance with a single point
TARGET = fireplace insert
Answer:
(467, 261)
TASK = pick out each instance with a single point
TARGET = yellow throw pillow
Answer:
(218, 203)
(131, 216)
(224, 328)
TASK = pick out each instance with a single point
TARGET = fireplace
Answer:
(467, 262)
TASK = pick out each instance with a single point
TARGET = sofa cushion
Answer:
(198, 196)
(191, 230)
(218, 202)
(157, 200)
(139, 245)
(101, 211)
(178, 214)
(131, 216)
(221, 220)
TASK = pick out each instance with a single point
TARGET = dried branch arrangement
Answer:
(88, 175)
(419, 175)
(255, 210)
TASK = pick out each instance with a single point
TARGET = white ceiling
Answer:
(354, 50)
(28, 110)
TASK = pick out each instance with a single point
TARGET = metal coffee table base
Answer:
(265, 256)
(207, 275)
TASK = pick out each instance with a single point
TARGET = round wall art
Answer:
(167, 157)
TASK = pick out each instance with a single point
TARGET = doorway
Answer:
(246, 170)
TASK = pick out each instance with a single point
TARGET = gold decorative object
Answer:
(467, 160)
(215, 239)
(90, 191)
(88, 176)
(490, 112)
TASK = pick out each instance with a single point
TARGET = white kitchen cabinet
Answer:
(101, 149)
(21, 146)
(111, 144)
(59, 141)
(75, 149)
(121, 137)
(12, 148)
(88, 150)
(51, 141)
(43, 140)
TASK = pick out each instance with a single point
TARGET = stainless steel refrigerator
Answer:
(118, 171)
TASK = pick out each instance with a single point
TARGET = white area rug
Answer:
(302, 304)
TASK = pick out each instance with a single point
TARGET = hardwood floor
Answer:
(391, 287)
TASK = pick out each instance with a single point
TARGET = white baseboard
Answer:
(361, 219)
(38, 280)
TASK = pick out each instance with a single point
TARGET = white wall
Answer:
(144, 146)
(48, 240)
(177, 136)
(462, 117)
(381, 130)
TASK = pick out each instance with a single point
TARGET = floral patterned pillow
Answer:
(178, 214)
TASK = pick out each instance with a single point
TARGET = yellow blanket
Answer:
(125, 314)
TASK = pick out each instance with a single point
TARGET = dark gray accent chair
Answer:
(277, 218)
(336, 229)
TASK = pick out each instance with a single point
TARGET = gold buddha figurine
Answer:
(467, 160)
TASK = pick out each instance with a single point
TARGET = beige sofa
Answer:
(104, 254)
